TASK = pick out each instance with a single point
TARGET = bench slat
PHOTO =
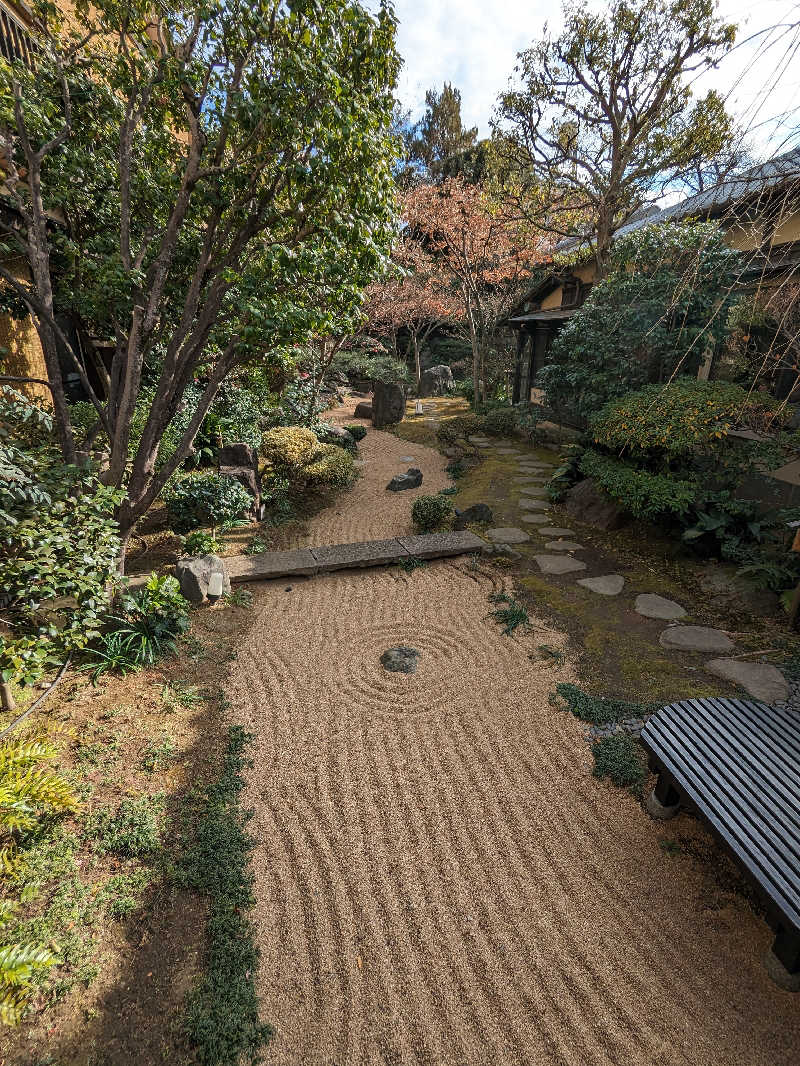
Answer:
(738, 763)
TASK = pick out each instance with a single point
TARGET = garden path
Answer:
(440, 880)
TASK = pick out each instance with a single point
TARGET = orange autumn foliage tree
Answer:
(416, 297)
(486, 258)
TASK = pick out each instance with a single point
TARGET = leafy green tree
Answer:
(439, 139)
(204, 188)
(603, 118)
(662, 308)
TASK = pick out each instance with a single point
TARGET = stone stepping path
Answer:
(607, 585)
(558, 564)
(507, 535)
(564, 546)
(476, 439)
(534, 490)
(533, 505)
(556, 531)
(331, 557)
(696, 638)
(506, 451)
(759, 680)
(535, 518)
(651, 606)
(527, 480)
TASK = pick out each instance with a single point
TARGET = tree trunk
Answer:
(476, 355)
(417, 363)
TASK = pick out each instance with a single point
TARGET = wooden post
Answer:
(518, 366)
(525, 376)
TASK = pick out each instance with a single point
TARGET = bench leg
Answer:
(663, 802)
(783, 959)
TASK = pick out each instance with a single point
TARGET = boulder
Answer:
(197, 576)
(388, 404)
(363, 410)
(587, 502)
(436, 381)
(476, 514)
(237, 455)
(412, 479)
(340, 436)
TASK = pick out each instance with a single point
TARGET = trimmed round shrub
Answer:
(430, 513)
(289, 448)
(331, 466)
(501, 422)
(357, 432)
(206, 500)
(682, 417)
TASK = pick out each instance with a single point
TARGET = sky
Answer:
(473, 44)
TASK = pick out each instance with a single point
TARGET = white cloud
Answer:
(473, 44)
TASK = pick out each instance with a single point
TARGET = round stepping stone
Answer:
(527, 479)
(651, 606)
(508, 535)
(558, 564)
(556, 531)
(475, 439)
(505, 451)
(535, 490)
(696, 638)
(534, 518)
(607, 585)
(565, 546)
(407, 459)
(534, 505)
(760, 680)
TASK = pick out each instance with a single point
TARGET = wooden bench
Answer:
(737, 764)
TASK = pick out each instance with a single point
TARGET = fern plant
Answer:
(28, 789)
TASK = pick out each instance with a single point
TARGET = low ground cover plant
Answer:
(357, 432)
(621, 759)
(199, 542)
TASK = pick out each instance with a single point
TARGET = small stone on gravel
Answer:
(652, 606)
(696, 638)
(400, 660)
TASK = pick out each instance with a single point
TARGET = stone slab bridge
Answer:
(309, 561)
